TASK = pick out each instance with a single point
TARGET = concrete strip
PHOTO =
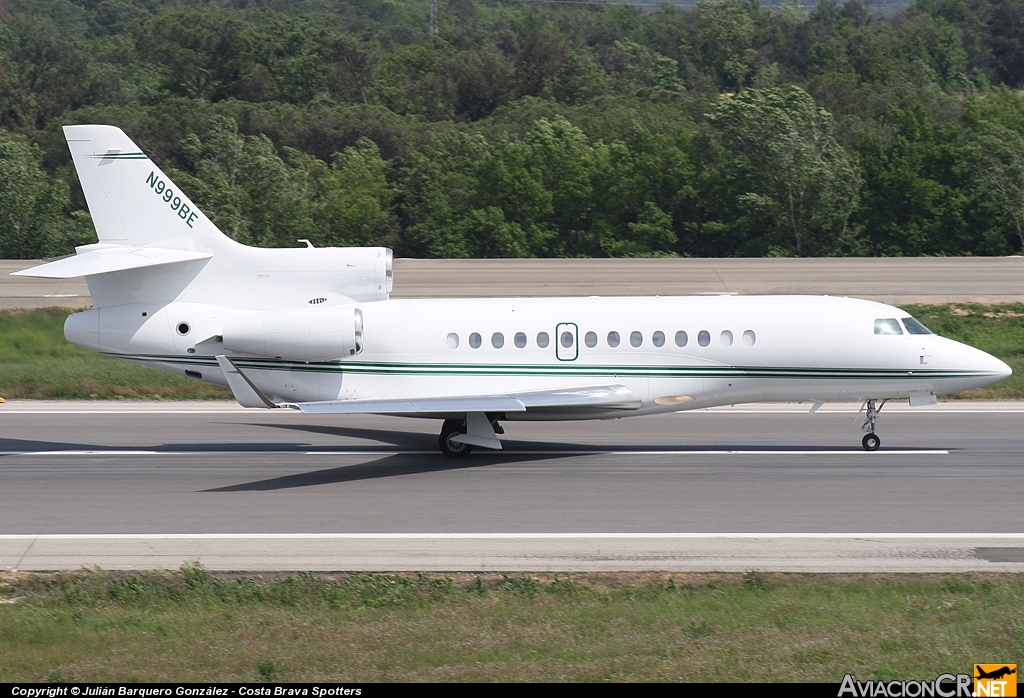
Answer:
(823, 553)
(902, 280)
(892, 280)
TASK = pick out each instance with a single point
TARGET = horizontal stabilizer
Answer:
(107, 259)
(247, 394)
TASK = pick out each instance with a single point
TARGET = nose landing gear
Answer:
(871, 442)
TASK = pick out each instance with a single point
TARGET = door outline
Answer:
(562, 353)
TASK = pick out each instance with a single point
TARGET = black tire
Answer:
(453, 449)
(871, 442)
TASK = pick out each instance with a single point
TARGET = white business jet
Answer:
(312, 329)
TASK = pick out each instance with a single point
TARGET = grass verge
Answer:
(192, 626)
(39, 363)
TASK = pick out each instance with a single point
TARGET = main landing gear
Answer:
(459, 436)
(871, 442)
(453, 449)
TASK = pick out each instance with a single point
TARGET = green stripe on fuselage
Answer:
(604, 371)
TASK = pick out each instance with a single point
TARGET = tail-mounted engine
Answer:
(360, 273)
(317, 333)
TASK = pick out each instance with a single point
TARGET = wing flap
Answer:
(108, 259)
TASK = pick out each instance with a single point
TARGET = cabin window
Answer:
(915, 327)
(497, 340)
(635, 338)
(749, 338)
(703, 338)
(613, 339)
(452, 340)
(681, 339)
(658, 338)
(520, 339)
(887, 325)
(590, 339)
(474, 340)
(543, 340)
(726, 338)
(567, 340)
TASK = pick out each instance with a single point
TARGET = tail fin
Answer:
(131, 200)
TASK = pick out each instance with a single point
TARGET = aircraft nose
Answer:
(1002, 370)
(991, 365)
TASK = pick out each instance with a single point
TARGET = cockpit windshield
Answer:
(915, 327)
(889, 325)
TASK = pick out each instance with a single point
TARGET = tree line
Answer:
(524, 129)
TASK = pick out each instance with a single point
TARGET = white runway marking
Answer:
(590, 452)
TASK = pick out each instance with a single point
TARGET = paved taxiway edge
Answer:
(565, 552)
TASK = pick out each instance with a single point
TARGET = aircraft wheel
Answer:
(871, 442)
(453, 449)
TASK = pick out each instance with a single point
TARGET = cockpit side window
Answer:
(915, 327)
(888, 325)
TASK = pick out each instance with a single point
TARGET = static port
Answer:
(184, 328)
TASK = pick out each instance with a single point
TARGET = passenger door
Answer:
(566, 341)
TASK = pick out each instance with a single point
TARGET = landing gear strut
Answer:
(871, 442)
(453, 449)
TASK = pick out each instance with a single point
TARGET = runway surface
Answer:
(890, 280)
(768, 487)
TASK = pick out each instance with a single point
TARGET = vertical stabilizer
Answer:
(131, 200)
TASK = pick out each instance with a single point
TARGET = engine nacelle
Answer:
(360, 273)
(319, 333)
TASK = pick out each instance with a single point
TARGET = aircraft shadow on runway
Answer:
(404, 439)
(14, 447)
(391, 466)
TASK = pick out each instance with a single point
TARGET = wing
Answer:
(563, 400)
(554, 402)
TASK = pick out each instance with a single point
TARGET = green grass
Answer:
(192, 626)
(38, 363)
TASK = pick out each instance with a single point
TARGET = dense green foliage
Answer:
(527, 129)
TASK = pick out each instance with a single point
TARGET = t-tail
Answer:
(148, 228)
(165, 280)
